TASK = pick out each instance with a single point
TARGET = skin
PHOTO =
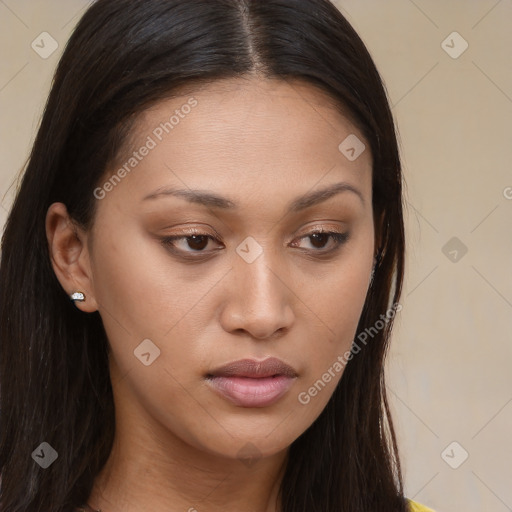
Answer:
(261, 143)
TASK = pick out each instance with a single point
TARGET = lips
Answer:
(251, 383)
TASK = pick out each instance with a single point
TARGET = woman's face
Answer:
(240, 276)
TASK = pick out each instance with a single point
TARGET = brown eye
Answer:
(319, 239)
(189, 243)
(197, 242)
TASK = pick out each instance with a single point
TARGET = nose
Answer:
(260, 299)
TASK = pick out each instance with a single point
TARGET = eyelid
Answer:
(198, 231)
(318, 228)
(321, 228)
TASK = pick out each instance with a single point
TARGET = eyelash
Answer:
(338, 238)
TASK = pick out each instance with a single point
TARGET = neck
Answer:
(202, 484)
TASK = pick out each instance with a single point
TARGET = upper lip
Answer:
(252, 368)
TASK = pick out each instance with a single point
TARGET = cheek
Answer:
(147, 307)
(338, 308)
(137, 294)
(143, 293)
(338, 293)
(336, 304)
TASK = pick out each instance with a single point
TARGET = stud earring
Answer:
(77, 296)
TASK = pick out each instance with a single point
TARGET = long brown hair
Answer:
(123, 56)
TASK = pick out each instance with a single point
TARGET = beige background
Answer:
(449, 372)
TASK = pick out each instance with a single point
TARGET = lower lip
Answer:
(246, 392)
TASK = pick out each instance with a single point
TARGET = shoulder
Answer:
(416, 507)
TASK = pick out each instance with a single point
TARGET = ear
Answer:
(69, 255)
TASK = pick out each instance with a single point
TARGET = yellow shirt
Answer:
(416, 507)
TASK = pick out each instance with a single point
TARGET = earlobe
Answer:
(69, 256)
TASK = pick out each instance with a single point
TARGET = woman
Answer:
(216, 186)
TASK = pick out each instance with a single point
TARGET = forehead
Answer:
(236, 133)
(243, 105)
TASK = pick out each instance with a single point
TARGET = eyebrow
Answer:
(212, 200)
